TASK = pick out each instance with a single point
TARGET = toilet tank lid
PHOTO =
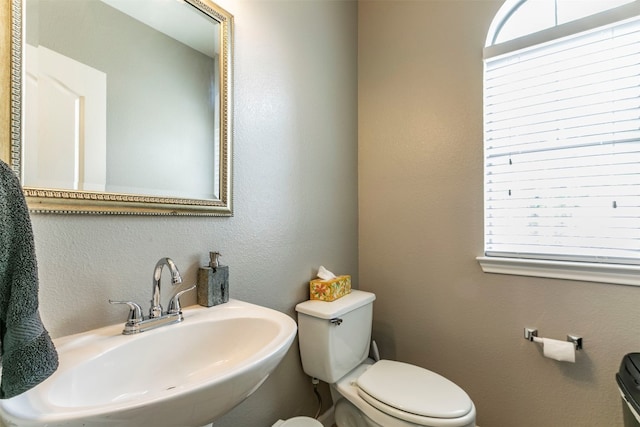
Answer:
(333, 309)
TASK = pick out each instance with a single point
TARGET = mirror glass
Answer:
(125, 107)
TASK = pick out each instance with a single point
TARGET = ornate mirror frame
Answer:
(44, 200)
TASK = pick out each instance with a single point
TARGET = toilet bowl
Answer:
(334, 344)
(431, 401)
(298, 422)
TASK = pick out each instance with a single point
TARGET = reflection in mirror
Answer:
(126, 107)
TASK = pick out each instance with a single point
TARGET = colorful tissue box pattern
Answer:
(330, 290)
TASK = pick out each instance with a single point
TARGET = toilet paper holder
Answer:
(530, 333)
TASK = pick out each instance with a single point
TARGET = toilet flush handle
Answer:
(336, 321)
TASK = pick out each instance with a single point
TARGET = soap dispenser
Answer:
(213, 282)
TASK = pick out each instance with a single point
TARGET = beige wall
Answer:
(420, 211)
(295, 196)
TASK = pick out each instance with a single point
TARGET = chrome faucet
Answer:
(176, 279)
(157, 317)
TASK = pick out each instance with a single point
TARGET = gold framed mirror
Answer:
(121, 110)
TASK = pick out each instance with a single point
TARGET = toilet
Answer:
(334, 342)
(298, 422)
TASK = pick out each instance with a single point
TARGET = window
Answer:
(562, 140)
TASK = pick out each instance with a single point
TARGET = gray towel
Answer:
(28, 354)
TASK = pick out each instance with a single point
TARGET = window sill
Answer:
(584, 271)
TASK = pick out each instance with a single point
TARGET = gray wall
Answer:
(295, 196)
(420, 211)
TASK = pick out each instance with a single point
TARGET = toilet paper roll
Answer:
(563, 351)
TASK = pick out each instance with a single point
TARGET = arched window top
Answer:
(517, 18)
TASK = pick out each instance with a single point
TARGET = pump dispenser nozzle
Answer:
(213, 259)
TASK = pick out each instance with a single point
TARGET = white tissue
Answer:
(325, 274)
(563, 351)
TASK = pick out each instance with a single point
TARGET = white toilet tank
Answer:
(335, 336)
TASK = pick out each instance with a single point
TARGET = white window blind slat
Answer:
(538, 71)
(625, 95)
(566, 165)
(513, 224)
(535, 142)
(568, 49)
(557, 238)
(618, 75)
(503, 159)
(562, 149)
(567, 128)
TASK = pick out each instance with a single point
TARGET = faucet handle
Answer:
(174, 303)
(135, 311)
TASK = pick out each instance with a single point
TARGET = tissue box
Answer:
(330, 290)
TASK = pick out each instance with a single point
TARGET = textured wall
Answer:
(420, 210)
(295, 196)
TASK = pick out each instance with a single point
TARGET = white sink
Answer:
(186, 374)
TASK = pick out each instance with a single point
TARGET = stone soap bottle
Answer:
(213, 282)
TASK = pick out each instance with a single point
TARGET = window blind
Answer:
(562, 148)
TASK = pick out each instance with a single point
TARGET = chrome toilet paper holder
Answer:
(530, 333)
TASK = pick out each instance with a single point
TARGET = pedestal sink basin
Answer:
(186, 374)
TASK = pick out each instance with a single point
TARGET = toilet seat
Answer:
(412, 393)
